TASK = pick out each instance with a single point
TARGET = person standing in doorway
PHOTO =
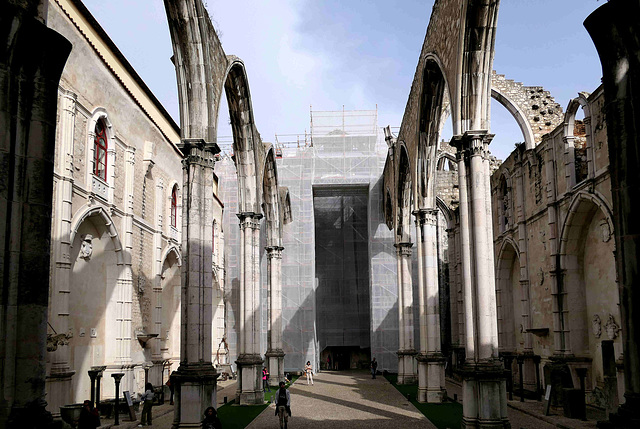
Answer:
(308, 369)
(374, 368)
(283, 405)
(329, 362)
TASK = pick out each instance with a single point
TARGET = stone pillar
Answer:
(59, 387)
(196, 377)
(31, 63)
(406, 347)
(275, 354)
(431, 386)
(156, 345)
(614, 28)
(249, 360)
(484, 382)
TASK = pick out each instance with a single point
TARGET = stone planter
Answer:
(71, 413)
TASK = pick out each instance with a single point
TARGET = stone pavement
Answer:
(346, 399)
(529, 414)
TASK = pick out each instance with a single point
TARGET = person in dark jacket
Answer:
(89, 417)
(211, 420)
(283, 405)
(147, 398)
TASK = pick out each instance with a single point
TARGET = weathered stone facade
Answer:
(116, 250)
(555, 268)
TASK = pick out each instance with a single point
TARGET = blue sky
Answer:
(355, 53)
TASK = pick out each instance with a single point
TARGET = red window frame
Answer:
(174, 206)
(100, 145)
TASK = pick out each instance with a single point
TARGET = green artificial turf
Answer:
(447, 415)
(238, 417)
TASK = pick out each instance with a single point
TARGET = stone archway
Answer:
(591, 298)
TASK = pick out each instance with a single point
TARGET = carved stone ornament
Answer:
(86, 247)
(596, 325)
(605, 231)
(612, 328)
(53, 341)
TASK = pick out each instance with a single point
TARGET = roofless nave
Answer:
(544, 219)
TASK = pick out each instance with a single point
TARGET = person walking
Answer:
(283, 405)
(265, 380)
(374, 368)
(211, 420)
(147, 398)
(308, 369)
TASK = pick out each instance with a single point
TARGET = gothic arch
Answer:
(578, 228)
(100, 212)
(271, 204)
(246, 141)
(578, 148)
(433, 92)
(171, 248)
(404, 197)
(506, 308)
(518, 115)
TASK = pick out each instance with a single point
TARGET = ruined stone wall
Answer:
(539, 107)
(549, 213)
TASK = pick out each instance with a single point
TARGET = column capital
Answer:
(274, 252)
(249, 220)
(428, 216)
(475, 142)
(186, 145)
(403, 249)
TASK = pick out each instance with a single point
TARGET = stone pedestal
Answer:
(407, 366)
(275, 366)
(484, 395)
(431, 378)
(195, 387)
(250, 380)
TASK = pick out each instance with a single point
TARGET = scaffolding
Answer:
(343, 149)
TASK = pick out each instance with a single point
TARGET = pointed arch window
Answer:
(174, 206)
(100, 146)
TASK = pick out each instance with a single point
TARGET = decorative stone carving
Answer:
(612, 328)
(86, 247)
(596, 325)
(55, 340)
(605, 231)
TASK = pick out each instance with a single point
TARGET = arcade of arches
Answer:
(134, 248)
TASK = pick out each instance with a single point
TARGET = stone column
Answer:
(59, 378)
(33, 57)
(249, 360)
(614, 28)
(275, 354)
(431, 387)
(196, 377)
(406, 347)
(484, 383)
(156, 345)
